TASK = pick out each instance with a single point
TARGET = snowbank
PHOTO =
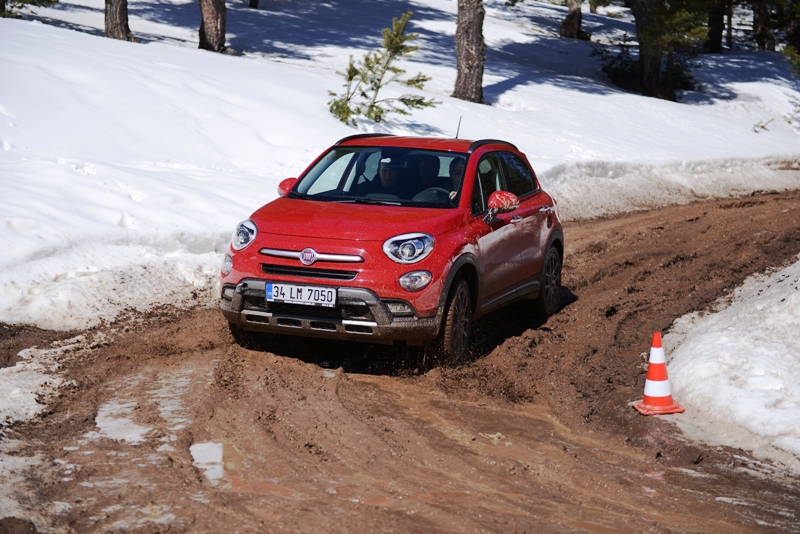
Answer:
(737, 371)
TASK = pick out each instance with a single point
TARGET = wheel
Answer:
(547, 302)
(244, 338)
(455, 332)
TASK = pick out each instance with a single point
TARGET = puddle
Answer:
(170, 406)
(223, 465)
(112, 422)
(208, 458)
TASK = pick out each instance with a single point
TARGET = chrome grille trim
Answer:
(295, 255)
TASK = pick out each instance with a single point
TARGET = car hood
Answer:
(358, 222)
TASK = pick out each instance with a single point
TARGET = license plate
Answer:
(306, 295)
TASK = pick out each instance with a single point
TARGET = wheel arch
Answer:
(557, 240)
(465, 266)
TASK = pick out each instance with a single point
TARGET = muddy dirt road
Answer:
(167, 426)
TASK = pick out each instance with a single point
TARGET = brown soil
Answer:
(534, 434)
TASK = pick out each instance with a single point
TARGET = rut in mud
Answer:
(169, 426)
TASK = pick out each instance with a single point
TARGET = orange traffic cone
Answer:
(657, 392)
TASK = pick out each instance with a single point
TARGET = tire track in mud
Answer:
(533, 434)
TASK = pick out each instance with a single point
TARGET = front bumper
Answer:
(359, 315)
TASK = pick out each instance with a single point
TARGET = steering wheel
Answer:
(438, 193)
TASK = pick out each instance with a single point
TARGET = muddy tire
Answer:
(243, 338)
(547, 303)
(454, 339)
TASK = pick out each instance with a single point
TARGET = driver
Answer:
(387, 181)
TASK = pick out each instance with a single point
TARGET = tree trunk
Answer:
(2, 7)
(716, 26)
(729, 37)
(212, 25)
(470, 51)
(571, 26)
(793, 27)
(761, 28)
(116, 24)
(254, 4)
(649, 55)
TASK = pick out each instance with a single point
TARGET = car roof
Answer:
(430, 143)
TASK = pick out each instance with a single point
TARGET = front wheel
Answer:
(242, 337)
(458, 314)
(549, 298)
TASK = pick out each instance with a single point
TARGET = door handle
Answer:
(516, 219)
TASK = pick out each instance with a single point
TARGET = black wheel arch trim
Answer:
(464, 259)
(558, 235)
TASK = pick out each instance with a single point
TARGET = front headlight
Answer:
(244, 235)
(408, 248)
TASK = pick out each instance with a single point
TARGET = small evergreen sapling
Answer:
(793, 56)
(364, 80)
(8, 8)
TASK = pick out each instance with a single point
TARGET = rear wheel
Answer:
(458, 314)
(547, 302)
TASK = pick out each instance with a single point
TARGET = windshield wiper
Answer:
(377, 201)
(295, 194)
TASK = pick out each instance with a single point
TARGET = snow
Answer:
(124, 167)
(737, 370)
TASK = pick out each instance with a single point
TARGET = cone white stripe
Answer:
(657, 355)
(657, 388)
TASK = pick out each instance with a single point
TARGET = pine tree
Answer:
(675, 28)
(7, 7)
(365, 79)
(762, 27)
(716, 25)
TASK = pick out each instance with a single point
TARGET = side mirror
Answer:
(285, 186)
(501, 202)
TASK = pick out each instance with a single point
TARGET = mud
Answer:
(169, 426)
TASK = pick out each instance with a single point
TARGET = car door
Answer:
(499, 255)
(530, 217)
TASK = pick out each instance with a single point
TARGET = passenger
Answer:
(457, 166)
(428, 172)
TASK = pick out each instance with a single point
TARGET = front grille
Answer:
(308, 272)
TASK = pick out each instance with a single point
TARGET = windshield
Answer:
(385, 175)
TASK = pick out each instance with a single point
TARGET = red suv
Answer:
(385, 239)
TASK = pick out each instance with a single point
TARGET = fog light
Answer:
(415, 280)
(227, 265)
(228, 292)
(400, 308)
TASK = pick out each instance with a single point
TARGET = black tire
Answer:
(243, 338)
(547, 303)
(454, 339)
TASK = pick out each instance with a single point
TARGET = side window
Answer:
(518, 177)
(487, 181)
